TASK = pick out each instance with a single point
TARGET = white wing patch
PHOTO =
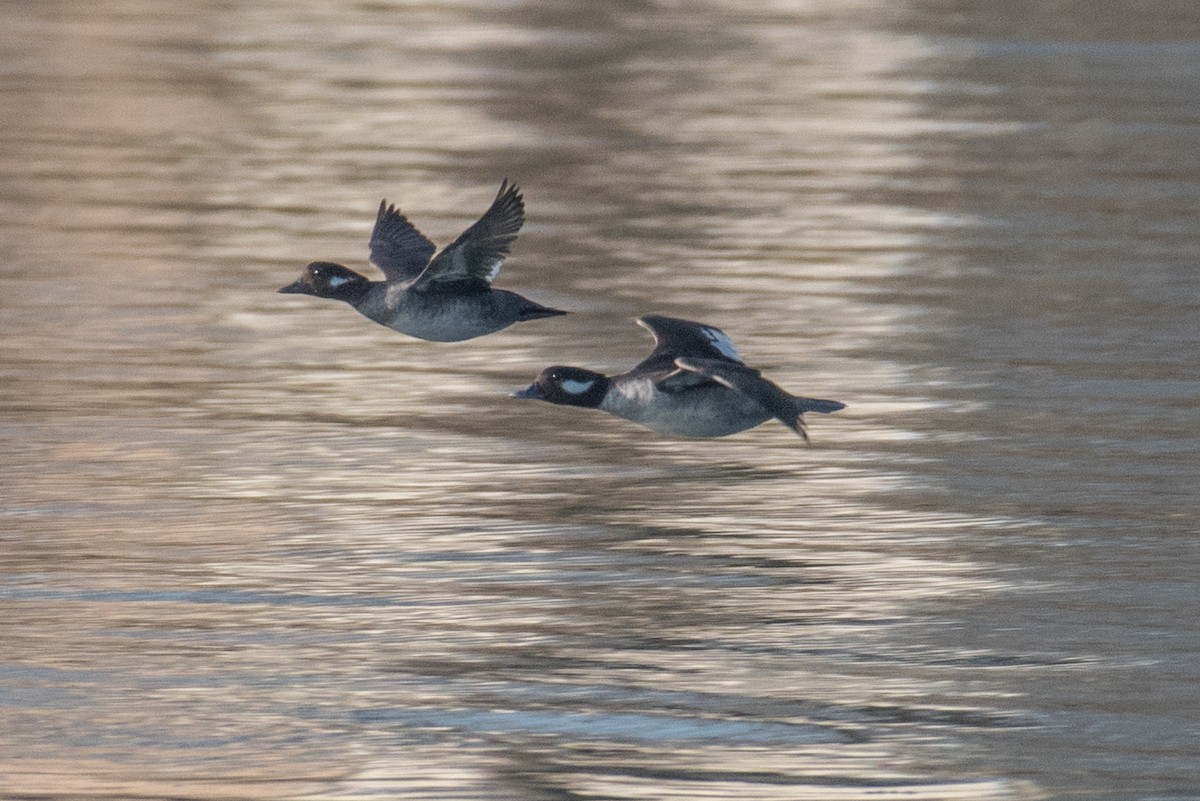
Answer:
(493, 270)
(458, 268)
(721, 342)
(577, 387)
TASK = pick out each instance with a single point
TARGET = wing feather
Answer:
(398, 249)
(749, 382)
(478, 253)
(674, 337)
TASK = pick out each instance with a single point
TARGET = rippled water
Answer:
(257, 547)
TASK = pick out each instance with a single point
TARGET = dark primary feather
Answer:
(477, 254)
(674, 337)
(749, 382)
(679, 379)
(397, 247)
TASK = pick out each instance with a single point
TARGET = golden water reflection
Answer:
(259, 548)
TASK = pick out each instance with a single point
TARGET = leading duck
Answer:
(693, 384)
(442, 298)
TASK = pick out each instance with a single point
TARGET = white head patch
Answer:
(337, 280)
(577, 387)
(721, 342)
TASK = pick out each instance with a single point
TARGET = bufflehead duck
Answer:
(442, 298)
(694, 384)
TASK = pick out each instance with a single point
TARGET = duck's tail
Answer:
(818, 405)
(536, 311)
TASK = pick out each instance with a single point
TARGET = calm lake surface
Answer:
(256, 547)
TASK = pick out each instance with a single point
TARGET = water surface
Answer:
(255, 546)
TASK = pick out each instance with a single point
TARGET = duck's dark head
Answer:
(567, 386)
(328, 280)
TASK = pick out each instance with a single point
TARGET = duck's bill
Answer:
(533, 392)
(295, 288)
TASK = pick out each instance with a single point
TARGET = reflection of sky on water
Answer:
(583, 726)
(262, 548)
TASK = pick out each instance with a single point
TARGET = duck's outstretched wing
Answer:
(779, 403)
(398, 249)
(476, 256)
(674, 338)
